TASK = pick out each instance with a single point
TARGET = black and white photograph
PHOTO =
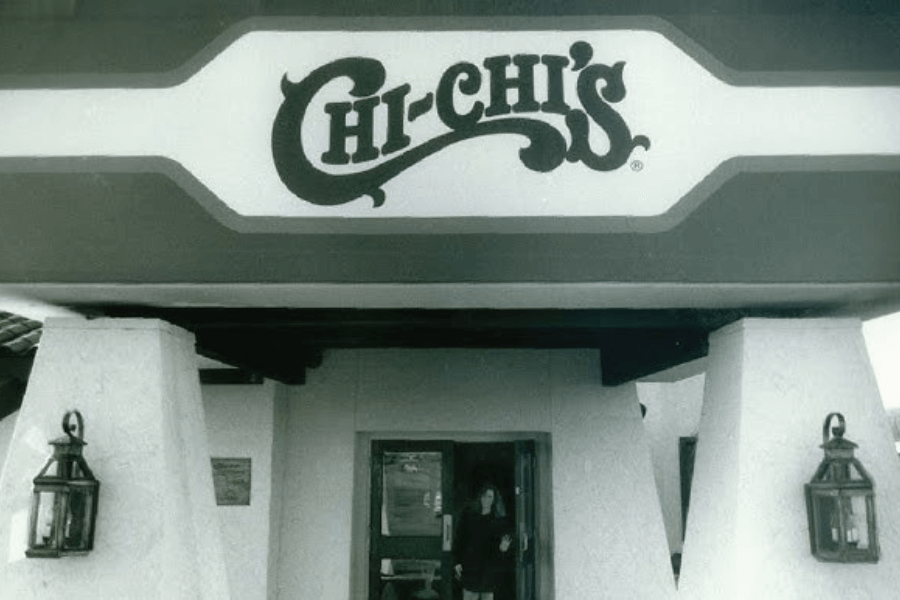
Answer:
(449, 299)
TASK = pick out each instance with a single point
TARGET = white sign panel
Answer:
(452, 127)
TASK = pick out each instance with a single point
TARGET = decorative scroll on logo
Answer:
(546, 150)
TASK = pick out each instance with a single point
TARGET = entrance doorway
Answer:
(419, 491)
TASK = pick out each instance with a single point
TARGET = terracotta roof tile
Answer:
(18, 335)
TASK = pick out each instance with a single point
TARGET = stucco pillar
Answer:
(609, 536)
(769, 386)
(135, 382)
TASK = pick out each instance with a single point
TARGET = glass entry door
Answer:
(411, 524)
(526, 537)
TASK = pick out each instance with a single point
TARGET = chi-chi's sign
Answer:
(598, 87)
(445, 130)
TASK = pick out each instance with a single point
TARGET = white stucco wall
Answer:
(300, 539)
(157, 534)
(608, 538)
(241, 422)
(769, 386)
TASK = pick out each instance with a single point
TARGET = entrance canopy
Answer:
(282, 179)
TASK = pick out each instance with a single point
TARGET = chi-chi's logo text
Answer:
(485, 112)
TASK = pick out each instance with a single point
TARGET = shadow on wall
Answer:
(12, 391)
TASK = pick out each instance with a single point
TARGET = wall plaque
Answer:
(231, 479)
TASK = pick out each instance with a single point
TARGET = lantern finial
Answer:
(69, 427)
(835, 431)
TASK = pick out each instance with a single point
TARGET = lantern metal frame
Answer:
(840, 502)
(64, 499)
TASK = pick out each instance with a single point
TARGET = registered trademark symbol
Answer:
(636, 165)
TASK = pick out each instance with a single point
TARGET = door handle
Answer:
(447, 544)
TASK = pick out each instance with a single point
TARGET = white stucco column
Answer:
(136, 384)
(769, 386)
(609, 536)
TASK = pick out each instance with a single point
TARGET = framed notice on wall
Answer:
(231, 480)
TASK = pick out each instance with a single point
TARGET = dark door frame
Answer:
(540, 545)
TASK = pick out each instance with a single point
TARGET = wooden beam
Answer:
(627, 356)
(230, 377)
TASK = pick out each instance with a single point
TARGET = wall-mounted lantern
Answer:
(840, 502)
(64, 505)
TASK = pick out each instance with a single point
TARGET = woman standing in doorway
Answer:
(481, 541)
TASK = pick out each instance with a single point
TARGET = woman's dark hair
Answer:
(497, 508)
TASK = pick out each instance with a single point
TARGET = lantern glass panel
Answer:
(46, 505)
(828, 535)
(77, 531)
(856, 518)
